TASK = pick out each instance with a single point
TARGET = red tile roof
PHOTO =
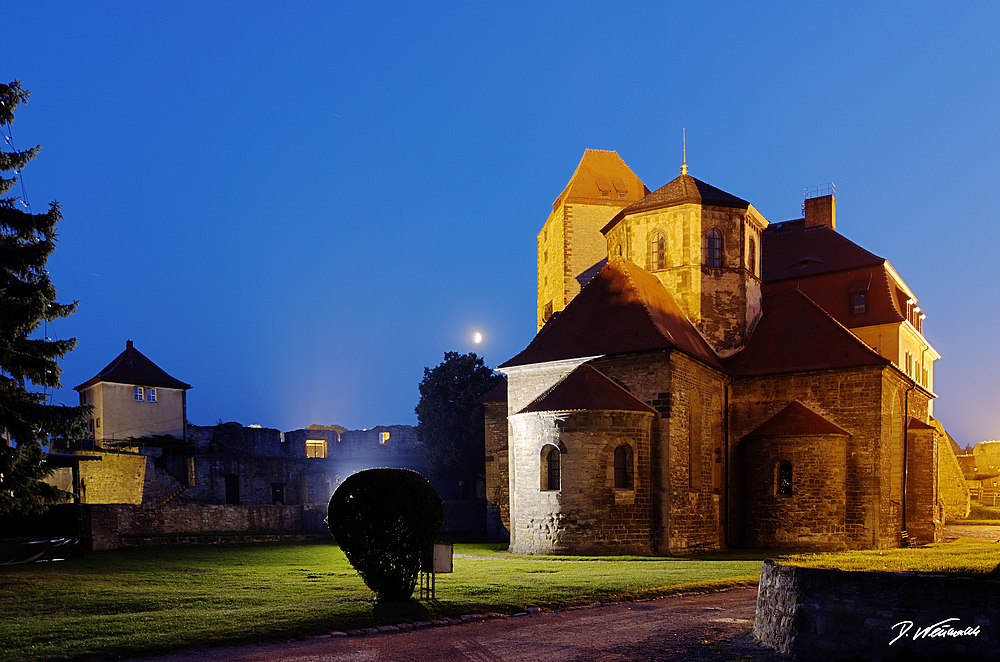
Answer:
(683, 189)
(586, 389)
(131, 367)
(794, 334)
(791, 250)
(623, 309)
(796, 419)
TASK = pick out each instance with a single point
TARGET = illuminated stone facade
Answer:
(749, 390)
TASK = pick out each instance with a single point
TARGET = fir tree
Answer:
(28, 364)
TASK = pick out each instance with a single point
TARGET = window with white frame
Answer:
(151, 395)
(137, 394)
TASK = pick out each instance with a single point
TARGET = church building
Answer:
(704, 379)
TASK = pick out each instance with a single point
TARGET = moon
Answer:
(477, 338)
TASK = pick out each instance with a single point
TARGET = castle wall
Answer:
(812, 515)
(953, 490)
(587, 514)
(497, 471)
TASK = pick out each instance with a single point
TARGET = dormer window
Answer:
(859, 303)
(858, 295)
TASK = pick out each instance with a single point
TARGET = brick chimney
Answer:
(821, 211)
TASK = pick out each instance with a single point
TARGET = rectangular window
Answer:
(859, 304)
(315, 448)
(137, 393)
(151, 395)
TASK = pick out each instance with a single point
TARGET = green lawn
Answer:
(962, 557)
(128, 602)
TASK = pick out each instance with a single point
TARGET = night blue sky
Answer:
(295, 207)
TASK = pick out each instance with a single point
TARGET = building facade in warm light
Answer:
(716, 380)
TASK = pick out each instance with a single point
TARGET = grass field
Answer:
(129, 602)
(160, 599)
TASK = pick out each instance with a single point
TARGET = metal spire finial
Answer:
(684, 153)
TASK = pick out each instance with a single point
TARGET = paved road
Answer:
(714, 627)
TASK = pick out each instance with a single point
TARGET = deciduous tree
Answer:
(450, 420)
(28, 363)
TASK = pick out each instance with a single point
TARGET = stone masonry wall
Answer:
(953, 491)
(116, 478)
(686, 497)
(497, 475)
(856, 400)
(812, 516)
(110, 526)
(587, 514)
(831, 614)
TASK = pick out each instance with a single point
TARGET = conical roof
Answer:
(131, 367)
(623, 309)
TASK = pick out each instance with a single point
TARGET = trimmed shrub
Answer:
(386, 521)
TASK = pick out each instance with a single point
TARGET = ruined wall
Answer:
(812, 516)
(587, 514)
(110, 526)
(116, 478)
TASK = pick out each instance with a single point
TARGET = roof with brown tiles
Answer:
(600, 176)
(586, 389)
(794, 334)
(623, 309)
(794, 420)
(790, 250)
(131, 367)
(683, 189)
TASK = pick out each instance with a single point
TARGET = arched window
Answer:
(550, 468)
(713, 249)
(784, 479)
(657, 252)
(752, 257)
(623, 468)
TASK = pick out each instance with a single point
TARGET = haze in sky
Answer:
(296, 207)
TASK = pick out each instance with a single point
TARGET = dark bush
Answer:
(386, 521)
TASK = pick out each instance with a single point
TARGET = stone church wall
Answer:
(587, 514)
(812, 516)
(497, 472)
(686, 506)
(849, 398)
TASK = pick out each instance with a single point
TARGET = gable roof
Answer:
(791, 250)
(796, 419)
(623, 309)
(601, 171)
(586, 388)
(683, 189)
(131, 367)
(794, 334)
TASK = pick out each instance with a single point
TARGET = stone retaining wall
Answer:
(823, 614)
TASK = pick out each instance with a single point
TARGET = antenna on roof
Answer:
(684, 152)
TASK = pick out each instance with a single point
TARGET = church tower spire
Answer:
(684, 152)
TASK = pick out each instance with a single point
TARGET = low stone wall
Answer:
(110, 526)
(822, 614)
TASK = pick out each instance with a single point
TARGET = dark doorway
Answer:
(232, 489)
(278, 494)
